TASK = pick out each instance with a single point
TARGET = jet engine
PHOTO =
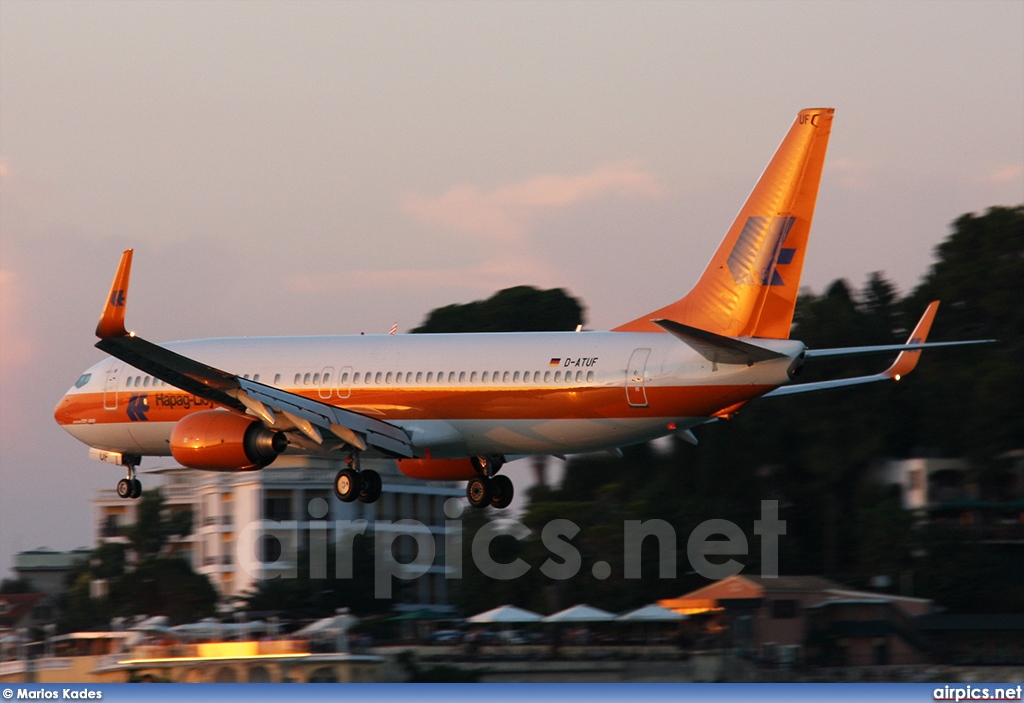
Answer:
(220, 440)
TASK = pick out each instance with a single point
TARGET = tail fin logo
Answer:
(117, 298)
(759, 249)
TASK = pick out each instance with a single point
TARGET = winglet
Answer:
(907, 360)
(111, 322)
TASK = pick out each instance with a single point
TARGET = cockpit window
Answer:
(83, 380)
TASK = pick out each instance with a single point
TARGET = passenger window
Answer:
(451, 377)
(277, 379)
(327, 378)
(305, 379)
(316, 379)
(256, 377)
(344, 377)
(430, 376)
(387, 379)
(558, 376)
(419, 377)
(547, 376)
(504, 377)
(579, 376)
(590, 376)
(408, 377)
(462, 376)
(298, 377)
(515, 377)
(355, 379)
(472, 377)
(145, 382)
(486, 376)
(378, 376)
(536, 376)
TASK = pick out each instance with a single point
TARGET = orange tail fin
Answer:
(750, 287)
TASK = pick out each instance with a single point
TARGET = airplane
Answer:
(456, 407)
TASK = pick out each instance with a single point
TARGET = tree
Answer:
(519, 309)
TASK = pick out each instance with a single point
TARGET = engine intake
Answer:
(220, 440)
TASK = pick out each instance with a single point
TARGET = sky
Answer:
(336, 167)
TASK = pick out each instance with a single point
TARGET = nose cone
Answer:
(62, 412)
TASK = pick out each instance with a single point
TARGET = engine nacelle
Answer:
(438, 469)
(220, 440)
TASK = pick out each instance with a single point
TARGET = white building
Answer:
(247, 526)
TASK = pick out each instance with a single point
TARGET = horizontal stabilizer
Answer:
(905, 362)
(717, 348)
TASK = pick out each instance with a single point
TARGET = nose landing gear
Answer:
(130, 487)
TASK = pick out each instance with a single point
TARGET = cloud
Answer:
(485, 276)
(16, 347)
(506, 212)
(852, 174)
(1005, 174)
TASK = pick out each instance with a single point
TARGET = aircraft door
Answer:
(344, 385)
(325, 387)
(110, 385)
(636, 393)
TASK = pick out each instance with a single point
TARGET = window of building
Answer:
(277, 505)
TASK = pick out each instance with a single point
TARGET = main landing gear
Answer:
(486, 488)
(130, 487)
(352, 484)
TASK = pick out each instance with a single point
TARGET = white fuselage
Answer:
(455, 394)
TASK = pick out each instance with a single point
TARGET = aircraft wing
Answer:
(308, 416)
(905, 362)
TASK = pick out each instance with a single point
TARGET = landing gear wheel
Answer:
(503, 491)
(124, 488)
(347, 485)
(370, 486)
(136, 488)
(479, 491)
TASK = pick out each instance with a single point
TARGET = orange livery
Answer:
(457, 406)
